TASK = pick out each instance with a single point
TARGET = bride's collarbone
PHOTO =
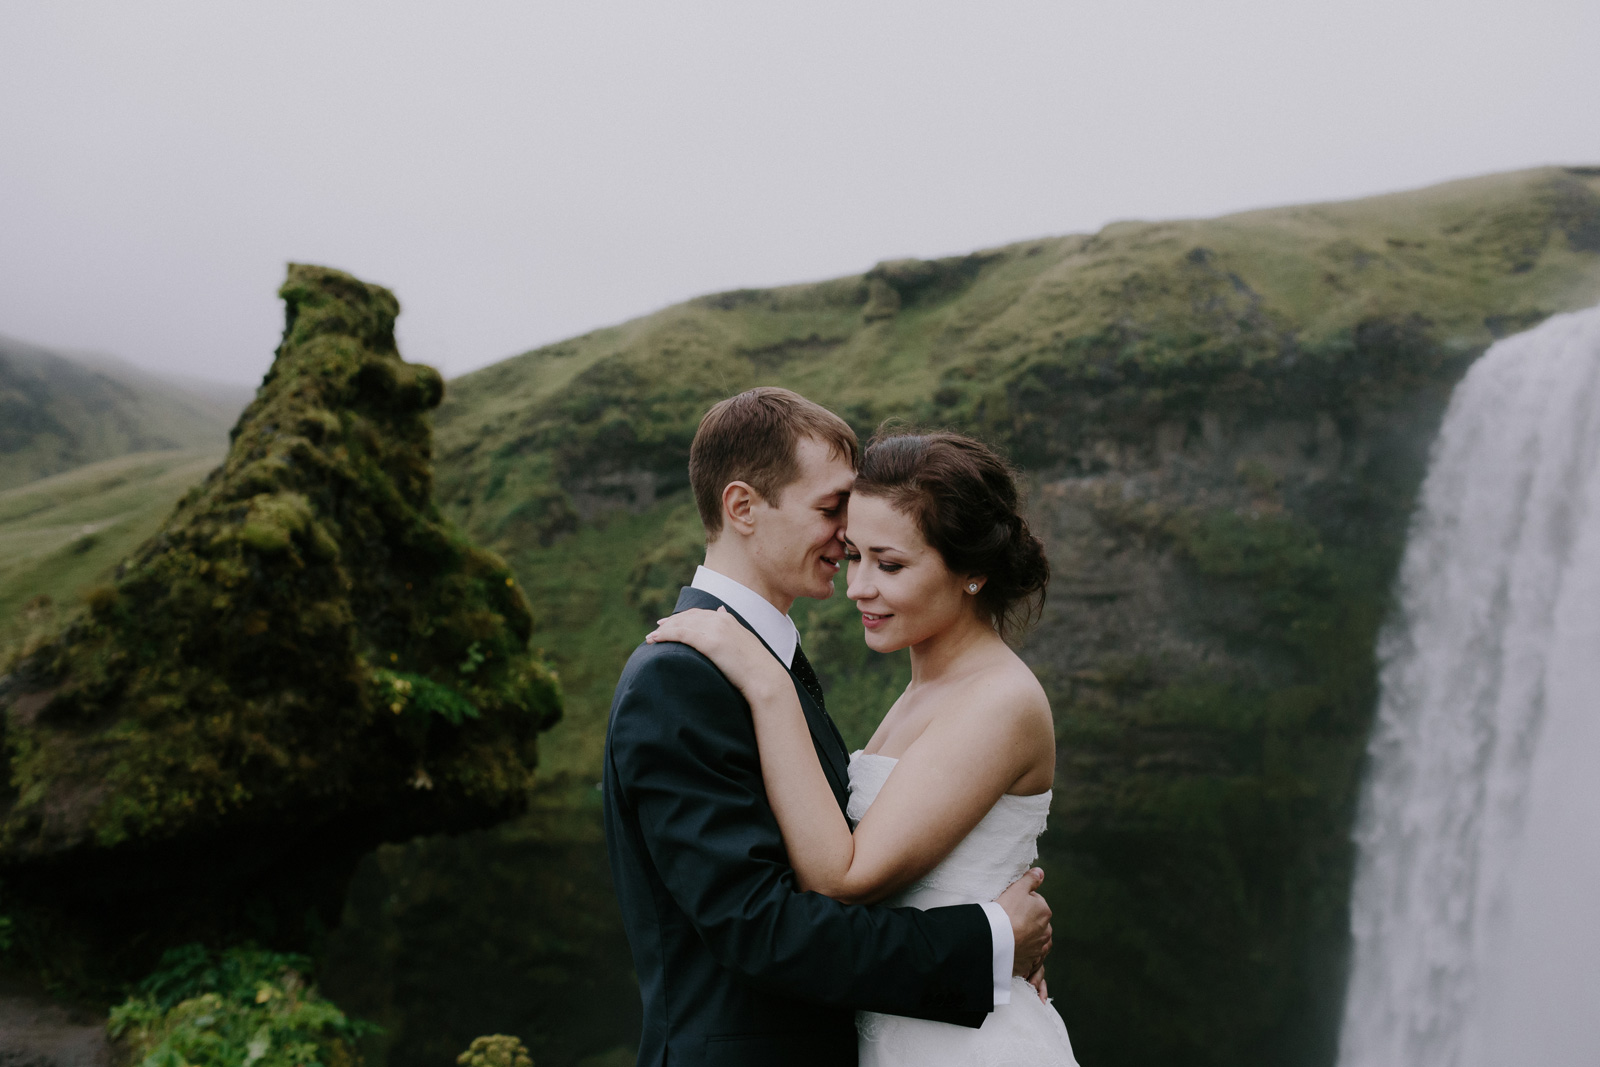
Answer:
(910, 717)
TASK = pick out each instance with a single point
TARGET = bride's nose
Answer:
(857, 585)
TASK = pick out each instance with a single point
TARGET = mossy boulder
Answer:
(305, 660)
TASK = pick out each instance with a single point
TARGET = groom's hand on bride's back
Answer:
(1030, 922)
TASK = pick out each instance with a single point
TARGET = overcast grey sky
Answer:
(521, 172)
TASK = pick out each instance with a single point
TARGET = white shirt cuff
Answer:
(1004, 944)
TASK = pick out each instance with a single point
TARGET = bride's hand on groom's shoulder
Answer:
(737, 653)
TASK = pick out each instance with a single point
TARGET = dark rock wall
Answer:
(1208, 651)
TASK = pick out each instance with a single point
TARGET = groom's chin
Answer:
(822, 590)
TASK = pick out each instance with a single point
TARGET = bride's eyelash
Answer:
(887, 568)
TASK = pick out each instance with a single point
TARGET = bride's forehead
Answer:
(874, 519)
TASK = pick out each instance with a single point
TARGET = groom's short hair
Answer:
(751, 438)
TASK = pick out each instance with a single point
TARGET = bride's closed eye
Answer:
(883, 565)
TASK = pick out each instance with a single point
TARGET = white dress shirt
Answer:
(770, 624)
(780, 634)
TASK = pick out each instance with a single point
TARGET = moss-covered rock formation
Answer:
(304, 661)
(1224, 423)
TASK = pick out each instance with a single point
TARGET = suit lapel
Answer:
(829, 745)
(824, 735)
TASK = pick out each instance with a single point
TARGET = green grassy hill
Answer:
(58, 412)
(62, 535)
(571, 457)
(1223, 423)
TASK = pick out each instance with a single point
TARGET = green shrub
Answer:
(402, 692)
(244, 1007)
(496, 1050)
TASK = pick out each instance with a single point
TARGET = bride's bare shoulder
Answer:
(1007, 695)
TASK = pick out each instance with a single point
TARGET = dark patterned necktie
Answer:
(832, 748)
(808, 678)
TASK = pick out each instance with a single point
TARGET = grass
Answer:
(1182, 305)
(1038, 346)
(59, 413)
(61, 536)
(585, 621)
(597, 592)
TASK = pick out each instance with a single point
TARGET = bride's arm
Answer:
(940, 789)
(948, 780)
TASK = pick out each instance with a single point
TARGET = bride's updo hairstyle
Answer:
(964, 499)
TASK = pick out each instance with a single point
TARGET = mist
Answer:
(522, 173)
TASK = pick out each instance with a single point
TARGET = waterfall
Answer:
(1476, 907)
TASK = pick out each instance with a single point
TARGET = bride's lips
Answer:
(872, 622)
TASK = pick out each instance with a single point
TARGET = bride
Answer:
(951, 792)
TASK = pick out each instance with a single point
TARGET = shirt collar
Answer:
(770, 624)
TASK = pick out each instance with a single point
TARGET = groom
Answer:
(736, 965)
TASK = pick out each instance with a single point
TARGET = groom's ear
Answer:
(738, 507)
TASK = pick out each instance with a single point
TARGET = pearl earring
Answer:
(972, 587)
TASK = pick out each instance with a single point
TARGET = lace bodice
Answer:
(996, 853)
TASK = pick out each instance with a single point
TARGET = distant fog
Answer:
(523, 172)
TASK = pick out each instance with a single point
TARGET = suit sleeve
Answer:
(684, 752)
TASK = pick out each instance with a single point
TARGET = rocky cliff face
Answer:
(1208, 651)
(306, 660)
(1223, 424)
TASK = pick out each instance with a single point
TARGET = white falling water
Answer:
(1476, 908)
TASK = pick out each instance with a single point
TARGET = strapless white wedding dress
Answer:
(1023, 1033)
